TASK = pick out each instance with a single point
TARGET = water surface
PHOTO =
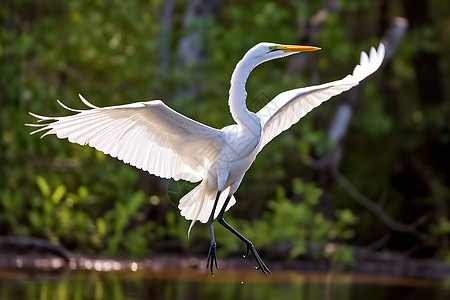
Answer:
(194, 284)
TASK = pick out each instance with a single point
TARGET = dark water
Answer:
(225, 285)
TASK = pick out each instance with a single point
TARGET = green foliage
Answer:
(300, 224)
(113, 52)
(61, 217)
(441, 230)
(176, 228)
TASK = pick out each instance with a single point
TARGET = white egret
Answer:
(153, 137)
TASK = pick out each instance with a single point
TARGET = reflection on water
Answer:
(225, 285)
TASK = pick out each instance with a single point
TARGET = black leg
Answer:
(212, 257)
(261, 266)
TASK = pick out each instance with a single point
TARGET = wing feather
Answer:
(289, 107)
(148, 135)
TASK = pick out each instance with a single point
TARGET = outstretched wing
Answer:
(148, 135)
(289, 107)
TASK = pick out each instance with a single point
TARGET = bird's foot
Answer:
(212, 259)
(261, 266)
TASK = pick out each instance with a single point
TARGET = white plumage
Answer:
(289, 107)
(153, 137)
(148, 135)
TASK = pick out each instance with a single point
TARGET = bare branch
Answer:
(379, 212)
(31, 243)
(340, 123)
(394, 35)
(311, 28)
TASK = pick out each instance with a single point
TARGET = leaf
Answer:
(83, 192)
(347, 217)
(58, 194)
(43, 186)
(101, 227)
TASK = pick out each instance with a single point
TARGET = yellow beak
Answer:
(288, 48)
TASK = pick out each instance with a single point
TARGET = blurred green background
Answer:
(393, 158)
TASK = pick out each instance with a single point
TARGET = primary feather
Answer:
(148, 135)
(289, 107)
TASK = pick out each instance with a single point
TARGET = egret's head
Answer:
(266, 51)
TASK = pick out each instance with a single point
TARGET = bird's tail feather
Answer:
(191, 204)
(198, 203)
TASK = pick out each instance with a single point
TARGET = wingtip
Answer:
(87, 103)
(34, 125)
(381, 50)
(364, 59)
(369, 63)
(68, 108)
(39, 130)
(41, 118)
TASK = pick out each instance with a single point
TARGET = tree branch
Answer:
(29, 243)
(379, 212)
(340, 123)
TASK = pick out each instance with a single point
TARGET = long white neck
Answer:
(239, 112)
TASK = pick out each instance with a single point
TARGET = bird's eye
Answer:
(275, 48)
